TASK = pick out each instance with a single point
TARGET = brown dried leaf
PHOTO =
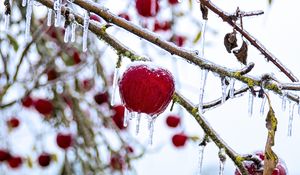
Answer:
(271, 158)
(230, 41)
(242, 53)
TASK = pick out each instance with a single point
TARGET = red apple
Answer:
(101, 97)
(43, 106)
(27, 101)
(15, 162)
(147, 8)
(64, 141)
(179, 140)
(145, 89)
(13, 122)
(173, 121)
(44, 159)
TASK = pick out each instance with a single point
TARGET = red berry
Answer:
(95, 18)
(4, 155)
(43, 106)
(52, 74)
(254, 168)
(125, 16)
(179, 140)
(44, 159)
(15, 162)
(173, 121)
(178, 40)
(27, 101)
(13, 122)
(146, 90)
(118, 116)
(87, 84)
(147, 8)
(64, 141)
(76, 57)
(101, 97)
(117, 162)
(162, 26)
(173, 2)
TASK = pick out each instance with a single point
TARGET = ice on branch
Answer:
(262, 107)
(202, 85)
(6, 22)
(283, 102)
(85, 31)
(114, 86)
(28, 19)
(138, 121)
(202, 39)
(151, 120)
(250, 103)
(231, 88)
(73, 32)
(224, 89)
(57, 9)
(291, 116)
(126, 117)
(200, 158)
(67, 34)
(24, 3)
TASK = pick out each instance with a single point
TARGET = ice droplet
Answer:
(202, 85)
(126, 117)
(221, 167)
(151, 120)
(283, 102)
(73, 32)
(138, 121)
(67, 34)
(222, 157)
(28, 19)
(114, 86)
(49, 17)
(250, 103)
(291, 116)
(6, 22)
(202, 39)
(85, 31)
(24, 3)
(224, 89)
(231, 88)
(57, 9)
(262, 106)
(200, 160)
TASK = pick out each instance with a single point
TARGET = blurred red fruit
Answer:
(43, 106)
(64, 141)
(87, 84)
(145, 89)
(178, 40)
(101, 97)
(173, 121)
(173, 2)
(76, 57)
(162, 26)
(179, 140)
(51, 74)
(118, 116)
(15, 162)
(117, 162)
(256, 169)
(125, 16)
(4, 155)
(95, 18)
(147, 8)
(44, 159)
(27, 101)
(13, 122)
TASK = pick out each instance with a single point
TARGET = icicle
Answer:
(250, 103)
(202, 85)
(200, 163)
(151, 120)
(67, 34)
(6, 22)
(202, 39)
(222, 157)
(49, 16)
(299, 107)
(28, 19)
(283, 103)
(24, 3)
(126, 117)
(291, 116)
(114, 86)
(262, 107)
(224, 89)
(57, 9)
(138, 120)
(85, 31)
(73, 32)
(231, 88)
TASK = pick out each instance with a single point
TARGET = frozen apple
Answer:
(146, 89)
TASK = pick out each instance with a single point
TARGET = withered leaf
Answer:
(230, 41)
(242, 53)
(271, 158)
